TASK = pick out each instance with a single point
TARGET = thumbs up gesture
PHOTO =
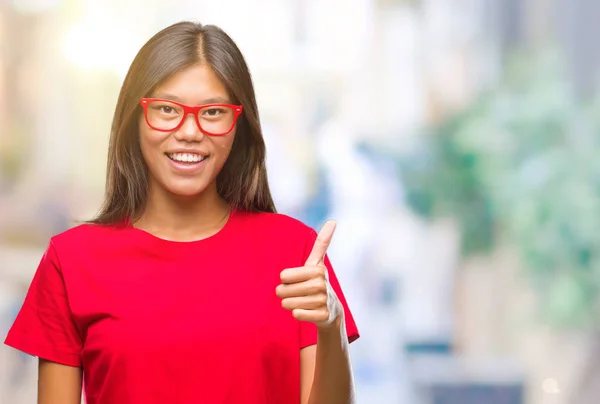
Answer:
(306, 291)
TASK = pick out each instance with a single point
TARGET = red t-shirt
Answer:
(157, 321)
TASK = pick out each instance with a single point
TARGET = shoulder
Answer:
(85, 232)
(83, 236)
(277, 220)
(276, 234)
(275, 223)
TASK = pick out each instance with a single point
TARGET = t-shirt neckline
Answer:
(175, 243)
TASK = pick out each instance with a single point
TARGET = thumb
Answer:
(317, 254)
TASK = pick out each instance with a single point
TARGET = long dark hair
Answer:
(243, 180)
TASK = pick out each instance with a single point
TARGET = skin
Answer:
(58, 383)
(185, 207)
(325, 369)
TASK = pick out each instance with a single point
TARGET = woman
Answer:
(188, 287)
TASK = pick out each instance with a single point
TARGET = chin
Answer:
(186, 192)
(185, 188)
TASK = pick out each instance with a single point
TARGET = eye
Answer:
(213, 112)
(164, 108)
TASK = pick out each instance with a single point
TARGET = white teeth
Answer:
(186, 157)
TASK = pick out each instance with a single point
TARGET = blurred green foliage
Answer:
(521, 165)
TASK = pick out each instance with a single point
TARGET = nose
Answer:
(189, 130)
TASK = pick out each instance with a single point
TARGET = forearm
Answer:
(333, 381)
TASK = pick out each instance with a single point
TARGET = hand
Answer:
(306, 290)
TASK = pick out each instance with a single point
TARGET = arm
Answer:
(325, 369)
(311, 294)
(45, 328)
(58, 384)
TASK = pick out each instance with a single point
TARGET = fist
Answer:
(306, 291)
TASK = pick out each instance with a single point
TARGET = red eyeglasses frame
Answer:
(191, 109)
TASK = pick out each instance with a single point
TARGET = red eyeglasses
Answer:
(168, 116)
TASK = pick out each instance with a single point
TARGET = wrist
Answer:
(334, 327)
(332, 336)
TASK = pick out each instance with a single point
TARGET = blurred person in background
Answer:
(178, 292)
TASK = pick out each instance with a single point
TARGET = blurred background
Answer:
(455, 142)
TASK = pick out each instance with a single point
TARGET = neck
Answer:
(177, 218)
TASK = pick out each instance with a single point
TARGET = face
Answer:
(186, 161)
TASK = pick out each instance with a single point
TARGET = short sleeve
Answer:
(44, 326)
(308, 331)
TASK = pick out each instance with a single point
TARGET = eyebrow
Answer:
(214, 100)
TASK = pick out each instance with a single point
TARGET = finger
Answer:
(305, 302)
(307, 288)
(314, 316)
(317, 255)
(301, 274)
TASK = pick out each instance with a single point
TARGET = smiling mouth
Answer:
(186, 158)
